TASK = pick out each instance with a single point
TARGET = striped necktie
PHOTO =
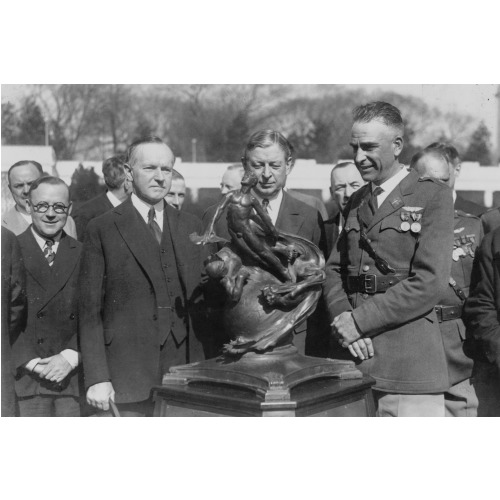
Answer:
(49, 252)
(265, 205)
(153, 225)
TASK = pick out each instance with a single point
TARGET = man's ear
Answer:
(397, 145)
(458, 169)
(243, 162)
(28, 206)
(331, 191)
(69, 207)
(128, 172)
(289, 165)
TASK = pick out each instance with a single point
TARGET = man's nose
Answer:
(26, 189)
(267, 173)
(359, 155)
(348, 192)
(224, 190)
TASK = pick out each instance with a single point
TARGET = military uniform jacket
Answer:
(52, 313)
(409, 354)
(459, 350)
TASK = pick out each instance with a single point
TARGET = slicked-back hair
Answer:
(379, 110)
(150, 139)
(49, 179)
(265, 139)
(177, 176)
(114, 171)
(434, 152)
(447, 149)
(25, 162)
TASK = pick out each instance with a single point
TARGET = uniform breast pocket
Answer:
(351, 224)
(393, 222)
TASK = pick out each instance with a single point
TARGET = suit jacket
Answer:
(90, 210)
(459, 349)
(310, 200)
(482, 308)
(469, 207)
(52, 313)
(16, 223)
(409, 355)
(122, 290)
(491, 220)
(332, 232)
(13, 313)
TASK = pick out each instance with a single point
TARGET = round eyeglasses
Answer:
(59, 208)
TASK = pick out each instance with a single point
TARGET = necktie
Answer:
(48, 252)
(153, 225)
(372, 202)
(265, 205)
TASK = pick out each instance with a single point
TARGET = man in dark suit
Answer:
(460, 399)
(45, 355)
(490, 220)
(345, 180)
(482, 317)
(119, 189)
(13, 314)
(389, 268)
(270, 155)
(138, 288)
(469, 207)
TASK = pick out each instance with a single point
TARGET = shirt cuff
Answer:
(72, 357)
(31, 364)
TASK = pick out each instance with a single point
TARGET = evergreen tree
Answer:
(479, 146)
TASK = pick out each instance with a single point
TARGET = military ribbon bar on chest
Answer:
(411, 219)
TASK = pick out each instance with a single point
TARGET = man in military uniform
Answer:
(460, 399)
(390, 267)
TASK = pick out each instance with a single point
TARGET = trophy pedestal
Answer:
(281, 383)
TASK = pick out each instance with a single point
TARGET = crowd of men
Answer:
(97, 306)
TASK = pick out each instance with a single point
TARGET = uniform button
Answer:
(40, 315)
(71, 316)
(155, 317)
(39, 341)
(366, 268)
(368, 240)
(168, 280)
(163, 250)
(165, 265)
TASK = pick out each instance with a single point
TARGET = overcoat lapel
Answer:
(139, 239)
(171, 223)
(64, 264)
(34, 261)
(289, 217)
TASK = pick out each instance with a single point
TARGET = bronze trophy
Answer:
(272, 283)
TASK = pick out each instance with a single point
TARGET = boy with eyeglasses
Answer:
(45, 354)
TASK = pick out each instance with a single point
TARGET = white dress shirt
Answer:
(274, 206)
(389, 185)
(70, 355)
(113, 199)
(143, 208)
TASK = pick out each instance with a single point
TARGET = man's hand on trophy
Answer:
(207, 237)
(98, 395)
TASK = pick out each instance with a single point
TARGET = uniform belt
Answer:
(373, 283)
(446, 313)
